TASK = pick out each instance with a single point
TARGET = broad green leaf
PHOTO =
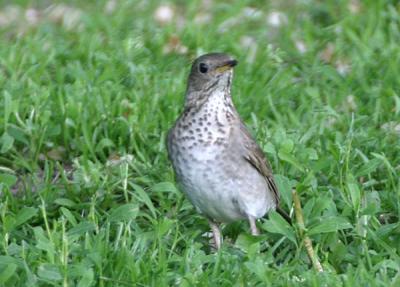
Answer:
(105, 142)
(369, 167)
(286, 146)
(269, 148)
(355, 195)
(7, 272)
(124, 212)
(142, 196)
(68, 214)
(321, 203)
(330, 224)
(8, 179)
(164, 226)
(164, 187)
(285, 189)
(276, 224)
(289, 158)
(18, 134)
(387, 229)
(82, 228)
(31, 279)
(53, 130)
(249, 243)
(6, 142)
(9, 222)
(25, 214)
(42, 242)
(312, 154)
(87, 278)
(372, 203)
(8, 106)
(65, 202)
(49, 272)
(6, 260)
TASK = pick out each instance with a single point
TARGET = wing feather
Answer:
(255, 156)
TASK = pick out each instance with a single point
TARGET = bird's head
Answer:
(211, 70)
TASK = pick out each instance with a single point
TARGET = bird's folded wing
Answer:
(255, 156)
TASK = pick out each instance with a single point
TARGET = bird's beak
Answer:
(226, 66)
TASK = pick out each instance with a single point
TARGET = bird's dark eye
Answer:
(203, 68)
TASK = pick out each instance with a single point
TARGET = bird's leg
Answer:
(253, 227)
(216, 234)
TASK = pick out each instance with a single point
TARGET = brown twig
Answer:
(307, 241)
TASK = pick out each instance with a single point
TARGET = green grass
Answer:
(88, 196)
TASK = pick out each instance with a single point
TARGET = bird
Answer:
(218, 165)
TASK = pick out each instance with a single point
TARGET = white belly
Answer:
(220, 190)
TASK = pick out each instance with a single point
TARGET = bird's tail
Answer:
(284, 214)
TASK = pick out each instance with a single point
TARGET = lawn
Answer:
(89, 90)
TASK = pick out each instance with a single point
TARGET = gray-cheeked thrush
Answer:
(217, 163)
